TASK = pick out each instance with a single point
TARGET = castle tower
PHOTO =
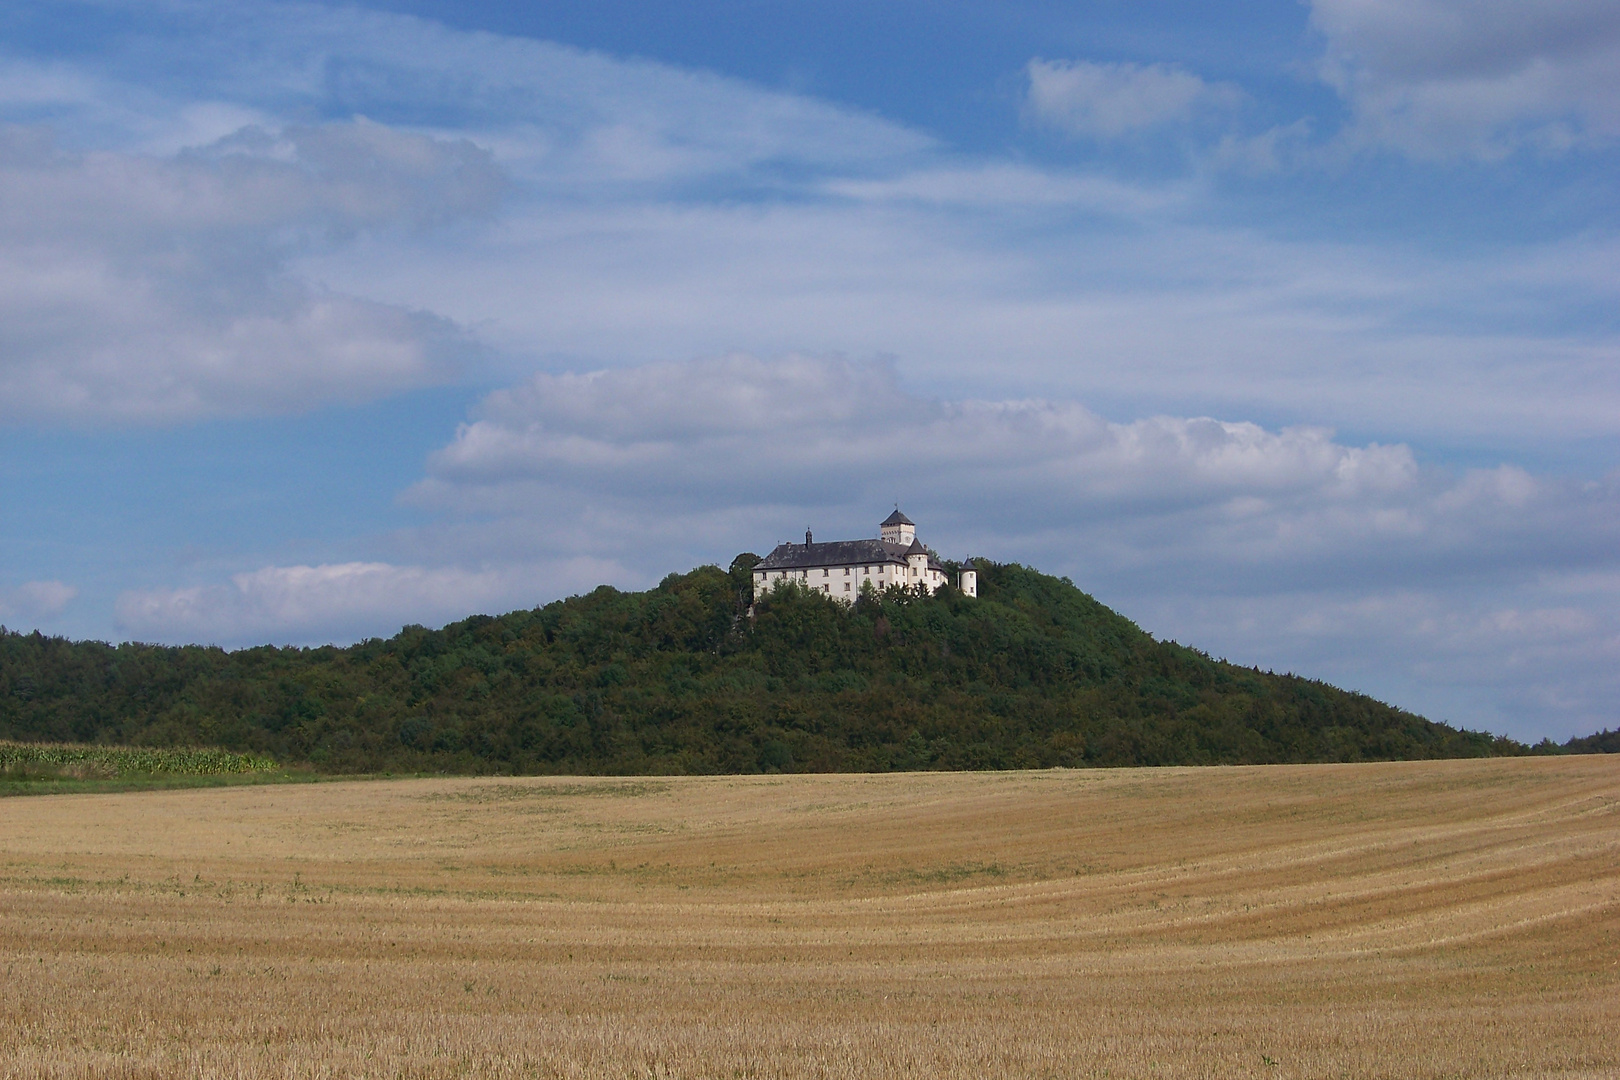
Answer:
(898, 529)
(917, 565)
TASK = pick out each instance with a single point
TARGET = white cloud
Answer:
(340, 602)
(548, 110)
(1266, 152)
(1010, 187)
(135, 288)
(633, 230)
(995, 285)
(1111, 100)
(1446, 78)
(154, 260)
(36, 600)
(1516, 659)
(802, 432)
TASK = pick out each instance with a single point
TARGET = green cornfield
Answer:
(80, 761)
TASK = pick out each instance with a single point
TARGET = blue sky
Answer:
(1290, 331)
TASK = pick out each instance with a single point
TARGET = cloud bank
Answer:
(143, 289)
(1447, 78)
(34, 601)
(1111, 100)
(738, 431)
(340, 602)
(530, 206)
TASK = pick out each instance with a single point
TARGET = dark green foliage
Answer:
(1604, 742)
(678, 679)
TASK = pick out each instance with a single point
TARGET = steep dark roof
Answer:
(835, 553)
(842, 553)
(897, 518)
(917, 548)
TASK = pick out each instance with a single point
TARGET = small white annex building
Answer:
(841, 567)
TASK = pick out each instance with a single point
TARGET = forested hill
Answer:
(1031, 673)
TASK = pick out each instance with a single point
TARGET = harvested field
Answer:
(1424, 919)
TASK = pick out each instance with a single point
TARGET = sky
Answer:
(1290, 330)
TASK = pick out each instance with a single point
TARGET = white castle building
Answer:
(841, 567)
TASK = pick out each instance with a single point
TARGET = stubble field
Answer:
(1435, 919)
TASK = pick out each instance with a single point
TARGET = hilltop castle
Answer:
(839, 568)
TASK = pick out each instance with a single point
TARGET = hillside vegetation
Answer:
(1032, 673)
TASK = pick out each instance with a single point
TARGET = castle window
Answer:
(826, 573)
(846, 586)
(846, 571)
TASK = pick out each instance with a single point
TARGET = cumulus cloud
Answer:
(35, 600)
(1111, 100)
(1446, 78)
(739, 431)
(338, 602)
(137, 288)
(739, 428)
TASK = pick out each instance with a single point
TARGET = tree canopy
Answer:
(683, 678)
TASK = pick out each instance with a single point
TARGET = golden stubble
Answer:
(1419, 919)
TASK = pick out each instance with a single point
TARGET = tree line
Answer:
(689, 677)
